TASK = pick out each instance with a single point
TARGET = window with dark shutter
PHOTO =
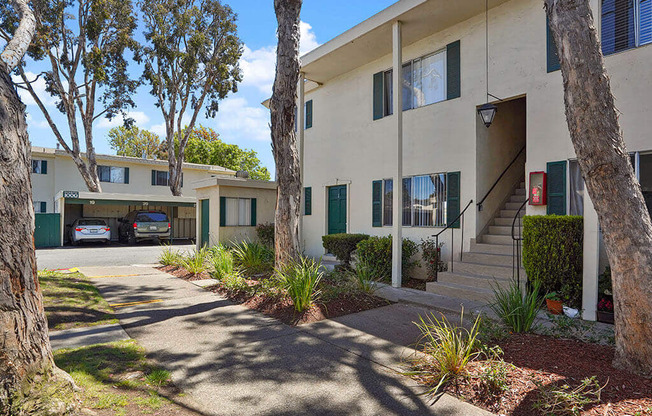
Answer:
(618, 29)
(378, 96)
(552, 60)
(307, 201)
(377, 204)
(253, 212)
(556, 183)
(222, 211)
(453, 71)
(309, 114)
(453, 198)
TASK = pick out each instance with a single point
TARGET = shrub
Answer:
(552, 254)
(342, 245)
(253, 258)
(265, 233)
(300, 279)
(195, 263)
(223, 265)
(170, 257)
(376, 252)
(431, 254)
(517, 310)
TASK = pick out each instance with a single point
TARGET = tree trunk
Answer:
(610, 180)
(284, 139)
(24, 344)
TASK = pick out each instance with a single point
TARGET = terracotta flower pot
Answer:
(555, 307)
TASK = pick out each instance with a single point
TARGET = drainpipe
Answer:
(301, 130)
(397, 232)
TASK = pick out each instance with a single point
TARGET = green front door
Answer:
(205, 224)
(337, 209)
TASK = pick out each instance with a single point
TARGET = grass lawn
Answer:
(117, 379)
(72, 301)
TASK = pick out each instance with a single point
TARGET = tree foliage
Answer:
(191, 62)
(135, 142)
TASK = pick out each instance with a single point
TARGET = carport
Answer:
(71, 205)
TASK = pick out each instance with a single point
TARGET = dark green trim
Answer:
(77, 201)
(44, 167)
(307, 200)
(153, 177)
(47, 230)
(253, 212)
(552, 60)
(222, 211)
(309, 114)
(453, 71)
(126, 175)
(453, 197)
(556, 188)
(44, 207)
(378, 96)
(377, 204)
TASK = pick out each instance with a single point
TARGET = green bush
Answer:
(253, 258)
(223, 265)
(376, 253)
(516, 309)
(265, 233)
(300, 279)
(552, 254)
(342, 245)
(363, 278)
(195, 263)
(169, 257)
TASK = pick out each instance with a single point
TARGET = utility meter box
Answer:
(537, 188)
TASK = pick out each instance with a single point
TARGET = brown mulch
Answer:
(283, 308)
(418, 284)
(182, 273)
(553, 361)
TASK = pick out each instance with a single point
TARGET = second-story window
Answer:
(113, 174)
(626, 24)
(40, 166)
(162, 178)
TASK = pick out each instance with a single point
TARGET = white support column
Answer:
(301, 109)
(397, 103)
(591, 260)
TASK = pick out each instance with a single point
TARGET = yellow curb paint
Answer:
(143, 302)
(115, 275)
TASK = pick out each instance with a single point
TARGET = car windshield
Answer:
(151, 217)
(91, 222)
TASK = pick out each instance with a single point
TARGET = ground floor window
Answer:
(238, 211)
(424, 201)
(40, 207)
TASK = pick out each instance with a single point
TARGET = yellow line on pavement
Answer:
(142, 302)
(115, 275)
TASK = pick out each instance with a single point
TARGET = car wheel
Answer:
(74, 243)
(131, 240)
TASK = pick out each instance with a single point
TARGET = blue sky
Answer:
(241, 119)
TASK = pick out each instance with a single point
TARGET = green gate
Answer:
(47, 230)
(205, 224)
(337, 209)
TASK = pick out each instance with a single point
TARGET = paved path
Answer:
(236, 361)
(81, 337)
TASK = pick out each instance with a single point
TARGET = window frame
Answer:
(111, 168)
(238, 215)
(636, 28)
(40, 166)
(412, 210)
(167, 178)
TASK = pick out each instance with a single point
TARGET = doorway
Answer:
(337, 209)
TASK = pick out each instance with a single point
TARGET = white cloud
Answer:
(39, 89)
(140, 119)
(258, 66)
(237, 118)
(158, 129)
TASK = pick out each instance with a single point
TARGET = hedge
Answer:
(376, 253)
(342, 245)
(552, 254)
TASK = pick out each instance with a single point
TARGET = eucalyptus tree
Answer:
(610, 181)
(25, 353)
(191, 63)
(284, 139)
(83, 44)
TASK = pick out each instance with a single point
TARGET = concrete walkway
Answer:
(235, 361)
(81, 337)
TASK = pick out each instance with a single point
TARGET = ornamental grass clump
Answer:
(517, 310)
(170, 257)
(196, 262)
(363, 278)
(253, 258)
(223, 264)
(300, 279)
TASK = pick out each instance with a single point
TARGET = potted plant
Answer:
(606, 311)
(554, 303)
(605, 304)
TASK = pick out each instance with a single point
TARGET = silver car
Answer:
(89, 229)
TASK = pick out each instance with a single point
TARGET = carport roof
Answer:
(105, 198)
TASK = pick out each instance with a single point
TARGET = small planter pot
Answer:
(555, 307)
(606, 317)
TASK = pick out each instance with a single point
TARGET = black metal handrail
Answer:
(479, 204)
(516, 245)
(450, 226)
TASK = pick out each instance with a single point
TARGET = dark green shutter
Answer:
(44, 167)
(377, 204)
(309, 114)
(378, 96)
(126, 175)
(153, 177)
(44, 207)
(453, 76)
(556, 184)
(453, 198)
(222, 211)
(307, 201)
(253, 212)
(552, 60)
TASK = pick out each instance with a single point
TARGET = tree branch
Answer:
(17, 46)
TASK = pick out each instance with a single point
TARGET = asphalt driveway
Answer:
(235, 361)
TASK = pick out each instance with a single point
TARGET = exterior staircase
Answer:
(489, 261)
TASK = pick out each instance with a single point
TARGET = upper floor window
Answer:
(113, 174)
(40, 166)
(162, 178)
(625, 24)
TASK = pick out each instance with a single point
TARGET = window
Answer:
(40, 207)
(113, 174)
(307, 118)
(626, 24)
(238, 211)
(162, 178)
(40, 167)
(424, 201)
(576, 195)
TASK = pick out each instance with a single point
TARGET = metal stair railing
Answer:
(450, 226)
(516, 245)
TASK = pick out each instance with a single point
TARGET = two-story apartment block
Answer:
(359, 133)
(128, 183)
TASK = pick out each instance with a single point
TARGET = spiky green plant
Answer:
(196, 262)
(170, 257)
(223, 265)
(253, 258)
(300, 279)
(516, 309)
(363, 277)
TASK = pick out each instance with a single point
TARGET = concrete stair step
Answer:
(489, 259)
(481, 247)
(513, 205)
(517, 198)
(510, 213)
(497, 239)
(505, 221)
(460, 291)
(478, 269)
(504, 230)
(472, 280)
(520, 191)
